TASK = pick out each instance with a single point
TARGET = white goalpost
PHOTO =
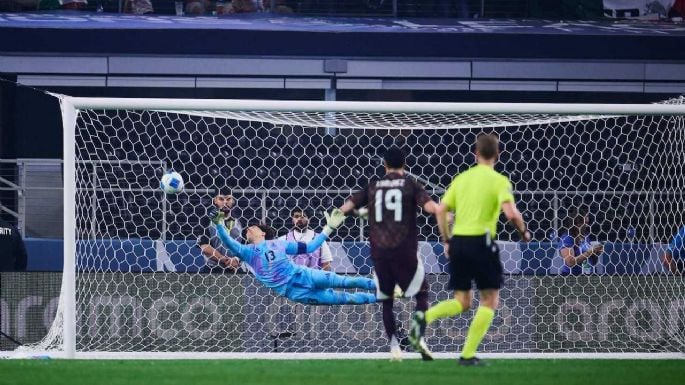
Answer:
(131, 286)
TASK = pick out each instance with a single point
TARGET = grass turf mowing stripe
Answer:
(334, 372)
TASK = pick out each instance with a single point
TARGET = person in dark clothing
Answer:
(12, 249)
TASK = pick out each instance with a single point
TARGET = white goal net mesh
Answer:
(139, 279)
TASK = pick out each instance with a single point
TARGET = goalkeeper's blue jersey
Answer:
(269, 259)
(269, 263)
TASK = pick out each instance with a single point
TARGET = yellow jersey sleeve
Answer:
(506, 192)
(449, 199)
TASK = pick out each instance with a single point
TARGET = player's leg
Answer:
(322, 279)
(390, 326)
(418, 327)
(460, 303)
(489, 280)
(385, 288)
(330, 297)
(408, 272)
(461, 275)
(303, 289)
(389, 320)
(481, 322)
(411, 278)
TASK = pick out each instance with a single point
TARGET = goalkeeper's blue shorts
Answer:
(313, 287)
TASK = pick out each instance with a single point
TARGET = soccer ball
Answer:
(171, 183)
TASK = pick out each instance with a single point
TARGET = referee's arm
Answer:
(446, 205)
(515, 218)
(441, 217)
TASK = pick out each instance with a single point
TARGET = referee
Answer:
(12, 250)
(476, 197)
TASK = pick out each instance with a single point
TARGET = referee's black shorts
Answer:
(474, 258)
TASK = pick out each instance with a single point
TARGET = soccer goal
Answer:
(132, 285)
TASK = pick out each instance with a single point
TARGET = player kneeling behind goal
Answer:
(271, 266)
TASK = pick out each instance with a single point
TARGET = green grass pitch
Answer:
(334, 372)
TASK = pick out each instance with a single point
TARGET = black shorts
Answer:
(474, 258)
(400, 268)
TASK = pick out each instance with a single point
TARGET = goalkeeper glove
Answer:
(333, 220)
(216, 216)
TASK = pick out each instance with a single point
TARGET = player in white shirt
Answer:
(318, 259)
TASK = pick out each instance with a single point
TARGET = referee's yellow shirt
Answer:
(476, 196)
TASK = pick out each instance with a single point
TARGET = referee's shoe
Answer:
(473, 361)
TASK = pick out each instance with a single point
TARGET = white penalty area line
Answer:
(328, 356)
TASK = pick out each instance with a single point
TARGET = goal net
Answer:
(133, 280)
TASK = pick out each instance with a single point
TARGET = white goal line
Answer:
(328, 356)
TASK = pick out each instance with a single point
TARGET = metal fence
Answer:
(31, 197)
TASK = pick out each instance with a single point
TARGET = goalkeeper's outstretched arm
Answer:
(217, 218)
(295, 248)
(236, 248)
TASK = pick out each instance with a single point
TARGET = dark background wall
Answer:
(31, 125)
(6, 114)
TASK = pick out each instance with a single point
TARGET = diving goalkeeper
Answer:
(270, 264)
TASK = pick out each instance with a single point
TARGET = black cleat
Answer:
(473, 361)
(416, 332)
(426, 354)
(418, 327)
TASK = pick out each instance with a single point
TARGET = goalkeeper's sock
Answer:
(444, 309)
(479, 326)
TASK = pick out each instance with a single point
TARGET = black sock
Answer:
(389, 319)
